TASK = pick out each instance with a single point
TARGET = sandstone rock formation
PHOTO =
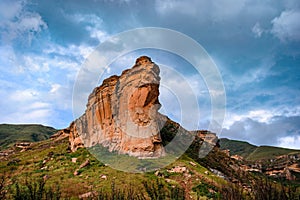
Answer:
(122, 114)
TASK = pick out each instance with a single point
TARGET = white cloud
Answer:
(38, 87)
(24, 95)
(55, 88)
(93, 24)
(261, 115)
(9, 8)
(215, 10)
(79, 52)
(291, 142)
(254, 74)
(19, 23)
(227, 9)
(182, 7)
(36, 64)
(179, 100)
(32, 22)
(8, 60)
(257, 30)
(261, 133)
(286, 27)
(25, 106)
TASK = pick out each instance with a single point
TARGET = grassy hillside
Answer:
(52, 159)
(47, 169)
(252, 152)
(11, 133)
(269, 152)
(237, 147)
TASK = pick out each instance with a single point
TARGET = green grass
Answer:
(129, 163)
(51, 158)
(237, 147)
(252, 152)
(11, 133)
(268, 152)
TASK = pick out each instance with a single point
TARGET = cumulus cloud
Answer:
(286, 27)
(262, 115)
(291, 142)
(30, 105)
(10, 8)
(17, 22)
(25, 106)
(37, 88)
(266, 130)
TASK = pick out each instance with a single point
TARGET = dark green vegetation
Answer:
(237, 147)
(252, 152)
(267, 152)
(10, 133)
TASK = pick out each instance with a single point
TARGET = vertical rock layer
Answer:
(122, 113)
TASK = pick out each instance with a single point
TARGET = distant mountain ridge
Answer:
(252, 152)
(12, 133)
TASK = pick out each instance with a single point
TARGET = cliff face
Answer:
(122, 113)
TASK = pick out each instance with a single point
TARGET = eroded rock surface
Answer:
(122, 113)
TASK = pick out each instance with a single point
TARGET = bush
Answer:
(3, 189)
(35, 190)
(118, 194)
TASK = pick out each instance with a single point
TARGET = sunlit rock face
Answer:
(122, 113)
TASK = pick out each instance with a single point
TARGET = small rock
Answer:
(46, 177)
(74, 160)
(103, 177)
(178, 169)
(86, 195)
(76, 172)
(168, 180)
(87, 162)
(193, 164)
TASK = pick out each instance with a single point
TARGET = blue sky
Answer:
(255, 45)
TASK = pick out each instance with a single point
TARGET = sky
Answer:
(254, 44)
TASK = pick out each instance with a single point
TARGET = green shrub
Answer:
(35, 190)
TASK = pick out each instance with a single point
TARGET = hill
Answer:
(237, 147)
(50, 160)
(269, 152)
(12, 133)
(252, 152)
(49, 169)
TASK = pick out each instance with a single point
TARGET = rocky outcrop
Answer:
(207, 136)
(122, 114)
